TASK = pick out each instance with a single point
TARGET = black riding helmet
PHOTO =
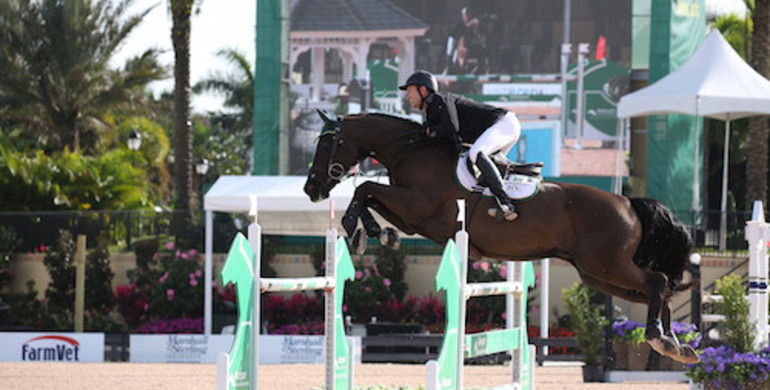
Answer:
(421, 78)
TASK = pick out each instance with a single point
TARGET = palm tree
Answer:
(238, 91)
(55, 78)
(181, 11)
(756, 164)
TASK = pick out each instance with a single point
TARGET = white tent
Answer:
(716, 83)
(283, 208)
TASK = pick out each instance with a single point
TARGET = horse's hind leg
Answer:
(658, 331)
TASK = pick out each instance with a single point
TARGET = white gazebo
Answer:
(351, 27)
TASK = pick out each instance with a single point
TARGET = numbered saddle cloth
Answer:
(518, 186)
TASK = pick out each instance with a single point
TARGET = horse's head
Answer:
(334, 156)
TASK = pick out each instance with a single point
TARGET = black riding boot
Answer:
(495, 182)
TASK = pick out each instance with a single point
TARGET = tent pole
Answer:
(208, 270)
(723, 205)
(617, 186)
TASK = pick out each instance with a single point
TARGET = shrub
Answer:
(736, 330)
(586, 320)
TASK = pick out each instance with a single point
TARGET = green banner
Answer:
(677, 29)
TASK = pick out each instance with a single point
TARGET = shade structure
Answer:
(714, 83)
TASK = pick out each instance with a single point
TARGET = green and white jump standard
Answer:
(447, 372)
(240, 368)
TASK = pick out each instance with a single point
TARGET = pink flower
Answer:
(359, 274)
(192, 252)
(475, 265)
(485, 266)
(146, 306)
(155, 256)
(163, 278)
(193, 282)
(170, 294)
(184, 256)
(198, 273)
(169, 245)
(177, 253)
(368, 289)
(503, 271)
(386, 282)
(42, 248)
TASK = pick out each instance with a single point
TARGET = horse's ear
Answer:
(323, 116)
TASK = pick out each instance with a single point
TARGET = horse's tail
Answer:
(665, 245)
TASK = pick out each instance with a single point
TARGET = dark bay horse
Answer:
(634, 249)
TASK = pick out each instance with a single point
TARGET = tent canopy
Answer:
(715, 82)
(282, 205)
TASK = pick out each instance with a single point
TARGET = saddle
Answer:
(521, 181)
(507, 167)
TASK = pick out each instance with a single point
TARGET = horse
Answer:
(634, 249)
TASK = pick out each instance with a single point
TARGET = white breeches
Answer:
(501, 136)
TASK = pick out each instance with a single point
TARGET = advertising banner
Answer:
(51, 347)
(677, 29)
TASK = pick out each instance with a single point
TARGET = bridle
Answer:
(334, 169)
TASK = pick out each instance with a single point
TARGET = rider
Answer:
(490, 129)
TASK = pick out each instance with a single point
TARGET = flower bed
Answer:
(724, 368)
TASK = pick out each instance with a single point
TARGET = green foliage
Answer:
(72, 181)
(55, 76)
(735, 29)
(586, 320)
(737, 331)
(25, 309)
(99, 299)
(60, 293)
(166, 284)
(8, 243)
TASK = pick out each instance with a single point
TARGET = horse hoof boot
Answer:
(359, 241)
(389, 238)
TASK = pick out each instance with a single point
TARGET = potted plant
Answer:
(588, 323)
(624, 334)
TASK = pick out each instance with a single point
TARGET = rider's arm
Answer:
(441, 117)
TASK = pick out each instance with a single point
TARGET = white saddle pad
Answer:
(516, 186)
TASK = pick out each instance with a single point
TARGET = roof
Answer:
(350, 15)
(282, 205)
(715, 82)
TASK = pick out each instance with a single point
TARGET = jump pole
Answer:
(339, 268)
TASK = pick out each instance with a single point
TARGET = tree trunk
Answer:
(180, 37)
(756, 166)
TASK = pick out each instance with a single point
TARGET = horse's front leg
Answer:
(391, 203)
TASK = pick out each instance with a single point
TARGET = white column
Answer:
(208, 273)
(319, 70)
(757, 232)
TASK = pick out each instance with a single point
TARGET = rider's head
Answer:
(418, 87)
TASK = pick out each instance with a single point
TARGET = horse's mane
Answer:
(404, 120)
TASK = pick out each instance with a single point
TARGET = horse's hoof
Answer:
(359, 241)
(666, 347)
(688, 355)
(389, 238)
